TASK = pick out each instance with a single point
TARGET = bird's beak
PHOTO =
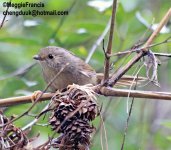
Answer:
(37, 57)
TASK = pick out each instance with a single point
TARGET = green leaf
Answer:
(20, 40)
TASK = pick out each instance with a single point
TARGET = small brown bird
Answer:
(53, 58)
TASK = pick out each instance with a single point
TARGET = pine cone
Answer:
(79, 131)
(73, 109)
(66, 102)
(75, 137)
(11, 137)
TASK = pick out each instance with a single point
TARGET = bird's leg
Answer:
(36, 95)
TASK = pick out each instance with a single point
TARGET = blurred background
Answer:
(22, 37)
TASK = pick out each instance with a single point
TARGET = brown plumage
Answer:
(53, 58)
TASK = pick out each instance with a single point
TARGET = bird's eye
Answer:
(50, 56)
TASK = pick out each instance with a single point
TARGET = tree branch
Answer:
(115, 77)
(123, 53)
(160, 26)
(22, 99)
(106, 91)
(109, 47)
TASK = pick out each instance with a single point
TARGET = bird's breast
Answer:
(67, 77)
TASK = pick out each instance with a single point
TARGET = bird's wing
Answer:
(126, 80)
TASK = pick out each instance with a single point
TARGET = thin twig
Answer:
(127, 122)
(139, 67)
(3, 20)
(38, 97)
(33, 122)
(115, 77)
(128, 118)
(104, 50)
(162, 54)
(97, 43)
(104, 115)
(105, 133)
(140, 48)
(165, 41)
(160, 26)
(109, 46)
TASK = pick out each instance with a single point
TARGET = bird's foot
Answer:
(36, 95)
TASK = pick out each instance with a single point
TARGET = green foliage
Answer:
(19, 42)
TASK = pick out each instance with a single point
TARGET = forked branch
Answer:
(136, 58)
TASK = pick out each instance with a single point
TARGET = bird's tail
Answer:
(126, 80)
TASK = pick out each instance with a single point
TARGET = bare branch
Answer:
(136, 58)
(106, 91)
(22, 100)
(162, 54)
(109, 47)
(140, 48)
(160, 26)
